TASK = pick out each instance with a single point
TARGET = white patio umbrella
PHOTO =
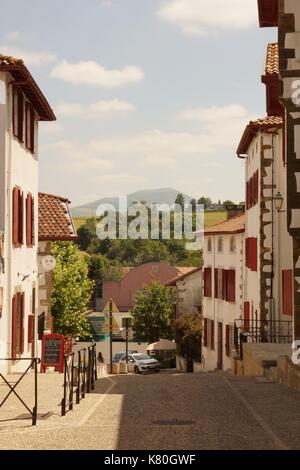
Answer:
(162, 345)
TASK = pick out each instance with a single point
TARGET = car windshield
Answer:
(141, 357)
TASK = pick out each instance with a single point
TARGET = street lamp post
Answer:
(278, 202)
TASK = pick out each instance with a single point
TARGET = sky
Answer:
(147, 93)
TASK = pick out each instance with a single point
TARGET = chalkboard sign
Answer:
(52, 352)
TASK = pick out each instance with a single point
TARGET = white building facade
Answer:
(223, 276)
(22, 106)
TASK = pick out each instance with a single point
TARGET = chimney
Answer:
(234, 210)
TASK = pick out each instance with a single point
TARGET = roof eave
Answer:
(41, 105)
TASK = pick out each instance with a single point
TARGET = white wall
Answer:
(189, 293)
(216, 309)
(21, 169)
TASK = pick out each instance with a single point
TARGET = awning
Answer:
(162, 345)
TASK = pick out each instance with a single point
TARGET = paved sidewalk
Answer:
(163, 411)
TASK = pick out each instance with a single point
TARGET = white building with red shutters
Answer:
(268, 279)
(223, 275)
(22, 107)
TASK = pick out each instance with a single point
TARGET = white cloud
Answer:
(13, 36)
(92, 73)
(105, 3)
(214, 113)
(95, 110)
(29, 57)
(201, 17)
(51, 128)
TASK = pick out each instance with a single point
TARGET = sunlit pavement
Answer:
(169, 411)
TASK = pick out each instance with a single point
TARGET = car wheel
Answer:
(136, 370)
(157, 370)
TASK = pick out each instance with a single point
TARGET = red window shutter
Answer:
(20, 116)
(22, 300)
(247, 195)
(205, 332)
(230, 285)
(14, 334)
(15, 216)
(257, 187)
(224, 284)
(216, 281)
(207, 282)
(227, 342)
(287, 292)
(28, 219)
(30, 127)
(212, 335)
(21, 218)
(254, 254)
(31, 327)
(247, 316)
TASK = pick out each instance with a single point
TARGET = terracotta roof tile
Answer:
(253, 127)
(55, 220)
(8, 60)
(233, 225)
(267, 121)
(272, 59)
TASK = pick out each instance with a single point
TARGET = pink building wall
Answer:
(123, 292)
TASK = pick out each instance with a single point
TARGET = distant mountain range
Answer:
(158, 196)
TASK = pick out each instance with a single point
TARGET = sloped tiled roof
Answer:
(233, 225)
(55, 220)
(8, 60)
(21, 75)
(253, 127)
(272, 59)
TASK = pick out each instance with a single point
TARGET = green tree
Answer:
(72, 290)
(188, 333)
(206, 201)
(180, 200)
(153, 312)
(228, 203)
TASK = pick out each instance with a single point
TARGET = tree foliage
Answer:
(71, 291)
(188, 333)
(153, 312)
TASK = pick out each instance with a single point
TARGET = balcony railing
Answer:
(261, 331)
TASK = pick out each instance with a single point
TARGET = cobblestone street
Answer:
(162, 411)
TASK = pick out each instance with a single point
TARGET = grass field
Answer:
(79, 221)
(211, 218)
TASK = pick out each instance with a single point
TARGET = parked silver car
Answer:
(141, 363)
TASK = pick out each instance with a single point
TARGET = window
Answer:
(18, 113)
(209, 245)
(232, 245)
(30, 220)
(29, 132)
(251, 253)
(18, 303)
(287, 292)
(224, 281)
(207, 282)
(220, 245)
(18, 216)
(252, 191)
